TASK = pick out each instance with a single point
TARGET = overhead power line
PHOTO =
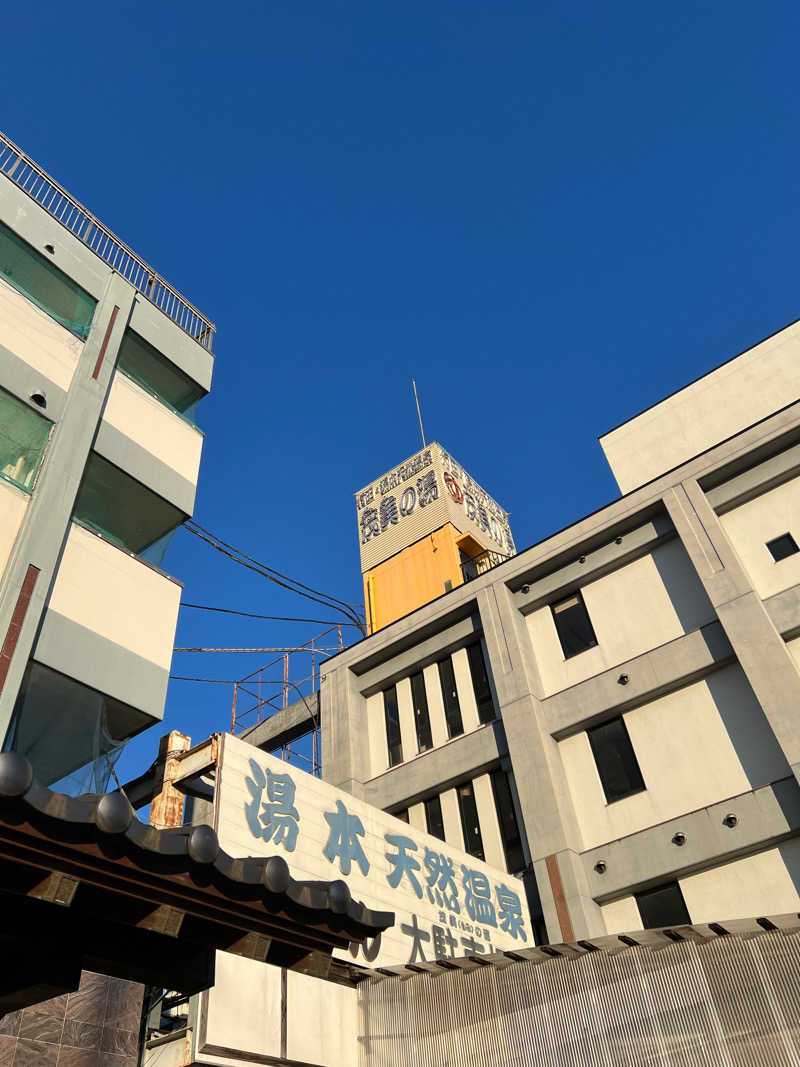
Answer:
(269, 618)
(235, 554)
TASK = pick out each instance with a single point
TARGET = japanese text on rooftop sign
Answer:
(417, 484)
(446, 902)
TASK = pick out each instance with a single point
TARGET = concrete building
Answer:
(614, 709)
(101, 365)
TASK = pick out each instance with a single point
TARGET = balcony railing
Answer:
(481, 563)
(46, 191)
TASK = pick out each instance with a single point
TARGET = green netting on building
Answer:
(23, 438)
(44, 284)
(155, 373)
(122, 509)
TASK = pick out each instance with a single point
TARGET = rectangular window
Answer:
(470, 826)
(160, 377)
(616, 761)
(23, 438)
(393, 740)
(120, 508)
(452, 708)
(662, 906)
(506, 817)
(573, 625)
(480, 683)
(44, 284)
(433, 817)
(781, 547)
(422, 721)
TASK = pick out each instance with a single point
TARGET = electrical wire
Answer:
(242, 559)
(270, 618)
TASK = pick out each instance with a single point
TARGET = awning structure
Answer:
(85, 885)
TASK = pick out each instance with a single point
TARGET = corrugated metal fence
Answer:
(725, 1001)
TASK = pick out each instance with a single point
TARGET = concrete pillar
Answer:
(451, 817)
(759, 647)
(405, 709)
(549, 822)
(487, 817)
(376, 729)
(433, 691)
(466, 692)
(30, 572)
(416, 817)
(345, 732)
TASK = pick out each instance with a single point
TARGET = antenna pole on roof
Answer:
(419, 416)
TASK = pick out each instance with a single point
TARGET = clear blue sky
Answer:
(551, 215)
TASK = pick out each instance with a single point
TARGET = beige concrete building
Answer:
(101, 365)
(613, 712)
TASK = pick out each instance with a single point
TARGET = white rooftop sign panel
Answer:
(420, 496)
(446, 903)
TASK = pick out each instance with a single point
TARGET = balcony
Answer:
(480, 564)
(75, 218)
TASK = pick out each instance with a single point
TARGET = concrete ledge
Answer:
(652, 674)
(80, 653)
(463, 758)
(285, 726)
(20, 379)
(765, 816)
(146, 468)
(784, 610)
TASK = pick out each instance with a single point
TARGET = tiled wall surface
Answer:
(97, 1026)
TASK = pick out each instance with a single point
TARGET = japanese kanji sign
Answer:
(446, 902)
(420, 496)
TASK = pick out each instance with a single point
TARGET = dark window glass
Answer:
(506, 817)
(616, 761)
(662, 906)
(158, 375)
(40, 280)
(573, 625)
(480, 683)
(422, 721)
(402, 815)
(452, 708)
(782, 546)
(433, 817)
(473, 842)
(393, 739)
(125, 511)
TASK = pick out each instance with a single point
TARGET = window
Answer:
(115, 505)
(452, 708)
(480, 683)
(471, 827)
(662, 906)
(23, 438)
(433, 817)
(44, 284)
(422, 722)
(393, 739)
(506, 817)
(616, 761)
(160, 377)
(401, 815)
(782, 546)
(573, 625)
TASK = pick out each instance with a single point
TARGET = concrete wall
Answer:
(738, 394)
(695, 746)
(638, 607)
(168, 437)
(47, 347)
(12, 511)
(106, 590)
(751, 525)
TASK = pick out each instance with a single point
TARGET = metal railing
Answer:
(481, 563)
(74, 217)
